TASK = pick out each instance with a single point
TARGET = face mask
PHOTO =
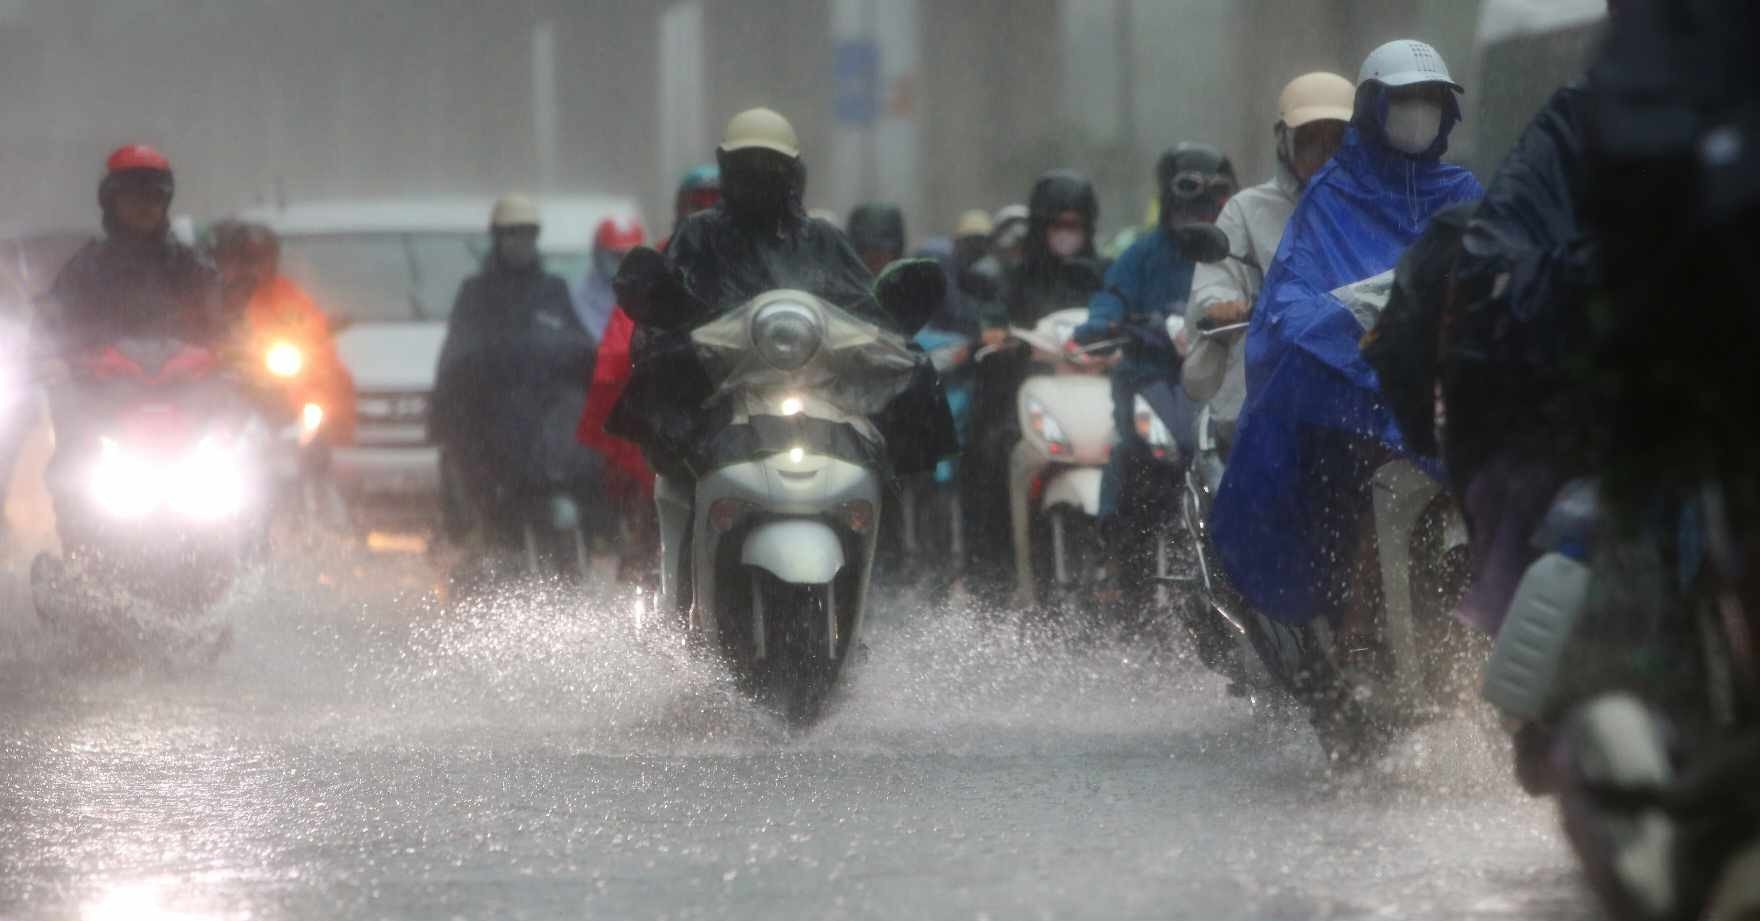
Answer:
(517, 252)
(1412, 127)
(1065, 243)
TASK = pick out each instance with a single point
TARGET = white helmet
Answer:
(1406, 63)
(762, 129)
(1319, 96)
(514, 211)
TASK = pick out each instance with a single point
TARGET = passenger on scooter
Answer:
(510, 386)
(1313, 113)
(278, 314)
(594, 300)
(1057, 269)
(1288, 519)
(698, 191)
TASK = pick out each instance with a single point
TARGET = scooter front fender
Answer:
(795, 550)
(1077, 487)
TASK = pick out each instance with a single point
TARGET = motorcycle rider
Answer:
(137, 281)
(593, 298)
(1148, 283)
(1313, 112)
(1057, 268)
(876, 230)
(510, 384)
(1289, 519)
(758, 239)
(274, 308)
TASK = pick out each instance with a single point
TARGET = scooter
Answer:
(312, 419)
(161, 494)
(931, 524)
(1054, 472)
(1653, 769)
(1402, 664)
(781, 526)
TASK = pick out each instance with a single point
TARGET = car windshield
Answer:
(383, 276)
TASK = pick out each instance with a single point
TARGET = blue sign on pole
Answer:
(856, 71)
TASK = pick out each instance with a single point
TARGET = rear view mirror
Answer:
(1202, 242)
(910, 291)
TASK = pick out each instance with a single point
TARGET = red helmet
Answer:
(619, 234)
(137, 157)
(134, 166)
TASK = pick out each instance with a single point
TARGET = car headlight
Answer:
(1046, 427)
(284, 360)
(1151, 429)
(787, 335)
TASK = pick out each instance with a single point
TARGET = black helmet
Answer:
(876, 226)
(1055, 192)
(1192, 181)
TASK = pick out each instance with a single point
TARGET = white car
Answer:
(386, 273)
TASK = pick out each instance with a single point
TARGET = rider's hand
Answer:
(995, 336)
(1075, 354)
(1228, 313)
(1182, 343)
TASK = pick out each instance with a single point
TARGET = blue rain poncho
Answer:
(1313, 414)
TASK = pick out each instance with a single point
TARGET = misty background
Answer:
(940, 106)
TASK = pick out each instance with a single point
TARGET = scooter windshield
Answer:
(788, 342)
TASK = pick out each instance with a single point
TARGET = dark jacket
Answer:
(724, 265)
(117, 288)
(512, 380)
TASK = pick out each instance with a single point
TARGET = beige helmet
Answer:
(762, 129)
(1315, 97)
(973, 223)
(514, 211)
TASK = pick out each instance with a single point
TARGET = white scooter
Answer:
(781, 533)
(1054, 471)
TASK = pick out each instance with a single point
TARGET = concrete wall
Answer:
(323, 98)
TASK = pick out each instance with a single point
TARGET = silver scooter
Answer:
(781, 536)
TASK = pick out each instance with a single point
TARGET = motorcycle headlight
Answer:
(284, 360)
(208, 484)
(311, 418)
(1151, 429)
(1046, 427)
(787, 335)
(122, 483)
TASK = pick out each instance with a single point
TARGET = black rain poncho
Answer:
(512, 382)
(714, 264)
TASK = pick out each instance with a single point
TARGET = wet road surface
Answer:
(360, 754)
